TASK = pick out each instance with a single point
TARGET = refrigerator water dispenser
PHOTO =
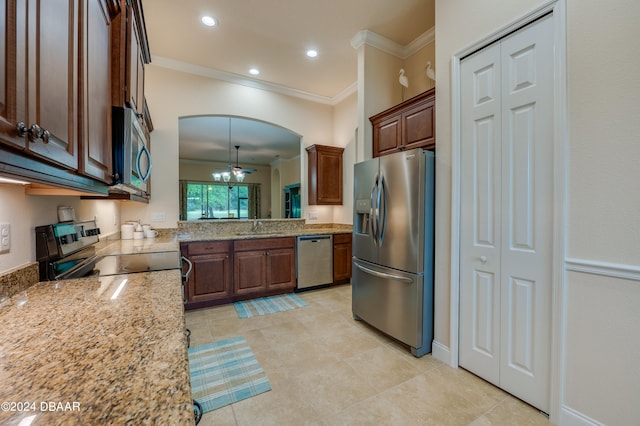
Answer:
(363, 209)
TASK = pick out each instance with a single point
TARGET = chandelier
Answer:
(237, 171)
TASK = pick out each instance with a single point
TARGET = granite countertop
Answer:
(239, 233)
(75, 352)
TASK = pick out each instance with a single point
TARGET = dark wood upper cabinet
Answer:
(55, 92)
(12, 74)
(130, 54)
(95, 81)
(44, 72)
(325, 175)
(408, 125)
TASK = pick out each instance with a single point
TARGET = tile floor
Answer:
(327, 369)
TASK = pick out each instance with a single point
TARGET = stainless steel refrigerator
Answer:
(392, 281)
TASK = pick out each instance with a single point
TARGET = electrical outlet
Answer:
(5, 237)
(313, 216)
(158, 217)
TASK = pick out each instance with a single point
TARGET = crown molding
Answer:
(250, 82)
(379, 42)
(391, 47)
(361, 38)
(421, 41)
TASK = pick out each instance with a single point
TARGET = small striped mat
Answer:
(268, 305)
(225, 372)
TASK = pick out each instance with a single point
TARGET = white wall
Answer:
(601, 381)
(25, 212)
(172, 94)
(345, 122)
(602, 339)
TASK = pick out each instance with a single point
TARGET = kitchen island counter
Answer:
(97, 350)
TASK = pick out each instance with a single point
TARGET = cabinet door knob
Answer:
(45, 136)
(483, 259)
(21, 128)
(35, 132)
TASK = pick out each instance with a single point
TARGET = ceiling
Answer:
(273, 36)
(207, 138)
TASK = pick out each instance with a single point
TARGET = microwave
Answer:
(131, 155)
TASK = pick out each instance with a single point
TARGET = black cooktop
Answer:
(136, 262)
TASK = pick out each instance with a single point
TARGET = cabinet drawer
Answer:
(341, 238)
(264, 243)
(208, 247)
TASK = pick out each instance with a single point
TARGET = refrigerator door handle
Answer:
(382, 274)
(378, 224)
(373, 211)
(382, 209)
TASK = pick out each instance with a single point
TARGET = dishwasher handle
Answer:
(314, 238)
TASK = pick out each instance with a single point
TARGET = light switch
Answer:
(5, 237)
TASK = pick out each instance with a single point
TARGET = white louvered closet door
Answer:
(506, 212)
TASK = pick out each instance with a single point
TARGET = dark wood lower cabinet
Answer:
(341, 258)
(264, 265)
(250, 272)
(228, 271)
(281, 269)
(210, 278)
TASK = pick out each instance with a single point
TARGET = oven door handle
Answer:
(185, 276)
(71, 272)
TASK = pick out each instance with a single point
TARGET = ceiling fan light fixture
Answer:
(238, 172)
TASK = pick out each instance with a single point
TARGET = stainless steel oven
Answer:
(67, 250)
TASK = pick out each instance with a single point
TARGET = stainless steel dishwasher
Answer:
(314, 260)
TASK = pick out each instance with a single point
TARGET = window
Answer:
(215, 201)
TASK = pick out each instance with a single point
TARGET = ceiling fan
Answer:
(238, 172)
(237, 169)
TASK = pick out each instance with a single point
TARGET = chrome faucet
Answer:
(256, 225)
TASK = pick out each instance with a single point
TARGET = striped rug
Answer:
(225, 372)
(268, 305)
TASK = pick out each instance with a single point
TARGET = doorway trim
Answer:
(560, 180)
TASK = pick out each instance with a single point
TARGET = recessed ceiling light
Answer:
(254, 71)
(312, 53)
(209, 21)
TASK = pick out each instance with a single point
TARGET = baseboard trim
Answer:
(571, 417)
(441, 352)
